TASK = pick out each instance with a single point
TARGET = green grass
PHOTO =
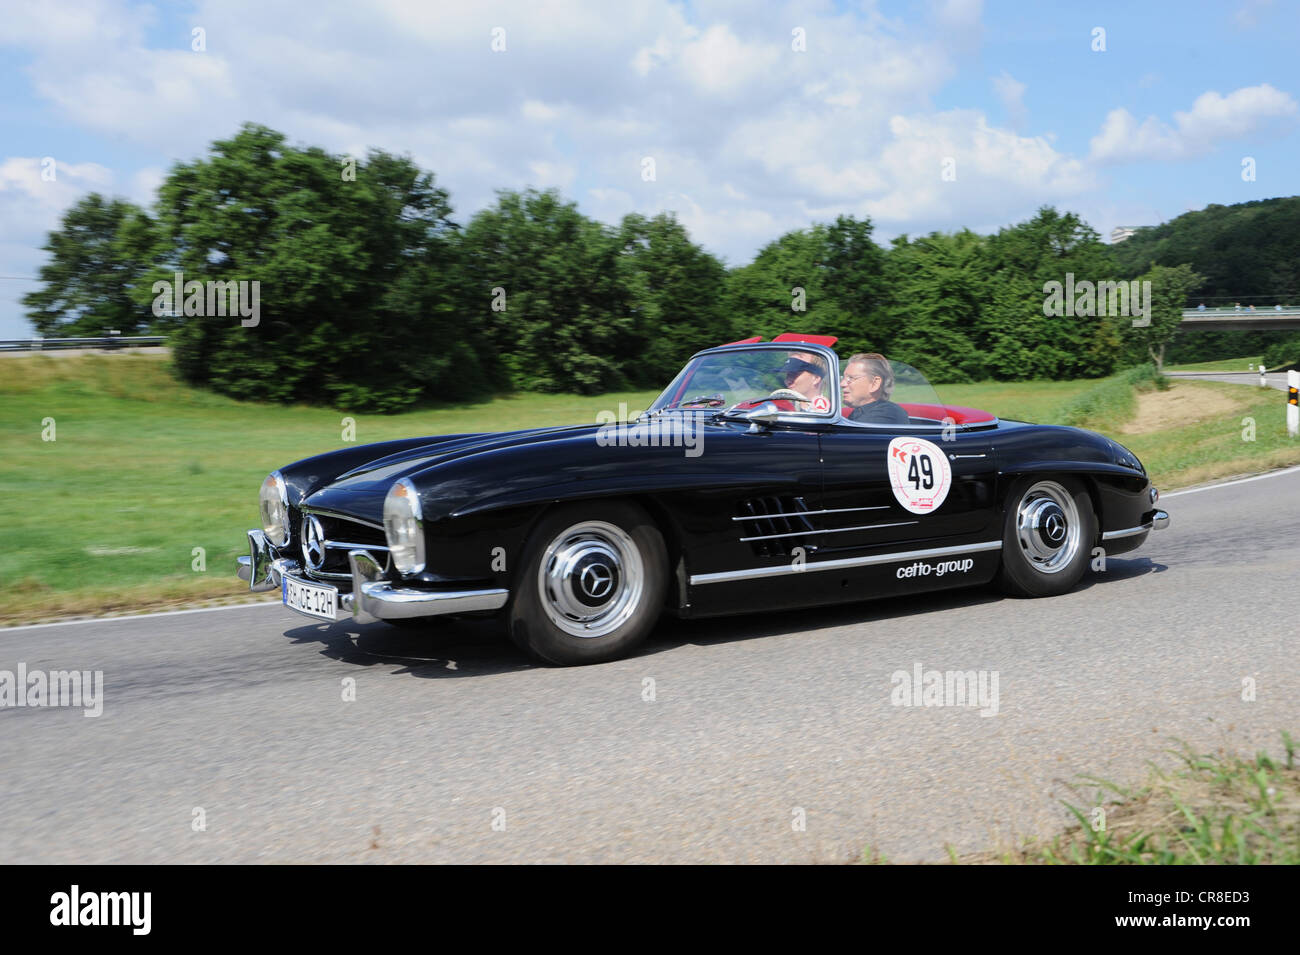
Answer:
(143, 469)
(1214, 809)
(1036, 401)
(1111, 401)
(1218, 445)
(1227, 364)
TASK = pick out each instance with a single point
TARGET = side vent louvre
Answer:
(774, 526)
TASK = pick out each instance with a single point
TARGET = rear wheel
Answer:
(591, 585)
(1047, 539)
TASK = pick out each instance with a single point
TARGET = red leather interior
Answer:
(958, 414)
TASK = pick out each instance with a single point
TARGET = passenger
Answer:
(867, 384)
(804, 372)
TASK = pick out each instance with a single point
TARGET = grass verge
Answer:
(1213, 809)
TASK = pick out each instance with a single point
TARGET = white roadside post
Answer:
(1293, 403)
(1263, 382)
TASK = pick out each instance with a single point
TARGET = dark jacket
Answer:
(880, 412)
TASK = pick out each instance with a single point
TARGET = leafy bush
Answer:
(1282, 354)
(1113, 400)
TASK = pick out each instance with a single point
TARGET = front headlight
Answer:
(273, 502)
(1126, 458)
(403, 525)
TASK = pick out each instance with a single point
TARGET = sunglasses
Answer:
(797, 365)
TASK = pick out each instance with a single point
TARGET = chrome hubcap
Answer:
(1047, 525)
(591, 579)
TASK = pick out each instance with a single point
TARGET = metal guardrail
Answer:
(1228, 311)
(101, 341)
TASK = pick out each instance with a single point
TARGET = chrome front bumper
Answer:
(1159, 520)
(372, 598)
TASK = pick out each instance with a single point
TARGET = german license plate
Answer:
(310, 599)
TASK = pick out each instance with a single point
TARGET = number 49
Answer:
(921, 472)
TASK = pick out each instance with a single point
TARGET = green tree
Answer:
(1170, 289)
(826, 280)
(1025, 341)
(676, 294)
(939, 289)
(98, 259)
(357, 297)
(546, 283)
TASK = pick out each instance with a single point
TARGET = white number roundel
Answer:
(919, 474)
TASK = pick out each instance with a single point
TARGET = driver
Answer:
(804, 372)
(866, 386)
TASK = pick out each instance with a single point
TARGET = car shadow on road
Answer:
(672, 633)
(444, 648)
(466, 647)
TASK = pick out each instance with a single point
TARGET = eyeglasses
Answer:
(856, 377)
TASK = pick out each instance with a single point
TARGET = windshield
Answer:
(797, 380)
(805, 382)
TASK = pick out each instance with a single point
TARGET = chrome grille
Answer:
(334, 537)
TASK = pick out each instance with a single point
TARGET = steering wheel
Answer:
(789, 394)
(781, 394)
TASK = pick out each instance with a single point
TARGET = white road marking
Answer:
(139, 616)
(1211, 487)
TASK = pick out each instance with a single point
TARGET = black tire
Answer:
(591, 584)
(1035, 563)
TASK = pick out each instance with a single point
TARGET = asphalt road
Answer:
(1275, 379)
(240, 712)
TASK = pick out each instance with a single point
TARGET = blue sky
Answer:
(750, 137)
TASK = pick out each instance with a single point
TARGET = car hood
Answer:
(360, 492)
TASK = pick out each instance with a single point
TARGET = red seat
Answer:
(958, 414)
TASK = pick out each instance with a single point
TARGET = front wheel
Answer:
(1047, 540)
(592, 584)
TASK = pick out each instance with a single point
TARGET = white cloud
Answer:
(1247, 15)
(30, 207)
(1211, 120)
(995, 173)
(1011, 93)
(750, 137)
(33, 201)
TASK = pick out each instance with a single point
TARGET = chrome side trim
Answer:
(834, 510)
(374, 598)
(833, 530)
(752, 573)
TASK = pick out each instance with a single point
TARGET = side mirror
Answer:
(763, 414)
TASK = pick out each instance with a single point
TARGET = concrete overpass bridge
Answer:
(1231, 318)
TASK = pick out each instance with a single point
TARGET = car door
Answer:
(906, 488)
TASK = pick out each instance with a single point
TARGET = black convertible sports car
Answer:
(744, 487)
